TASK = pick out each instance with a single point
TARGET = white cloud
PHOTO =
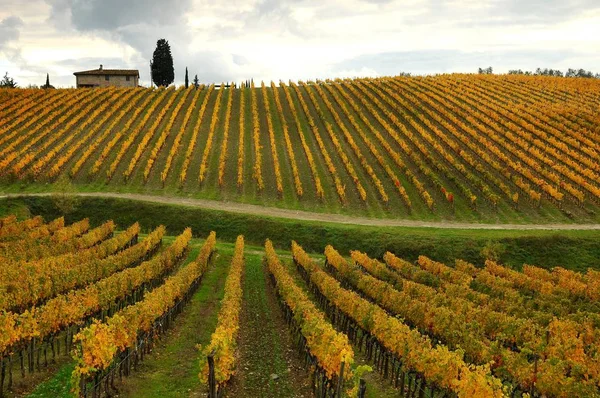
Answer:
(297, 39)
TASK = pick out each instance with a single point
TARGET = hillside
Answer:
(89, 310)
(451, 147)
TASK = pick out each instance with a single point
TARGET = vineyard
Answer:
(464, 147)
(100, 301)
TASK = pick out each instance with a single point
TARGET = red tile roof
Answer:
(111, 72)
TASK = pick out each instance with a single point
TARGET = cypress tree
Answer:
(163, 72)
(47, 80)
(187, 81)
(196, 82)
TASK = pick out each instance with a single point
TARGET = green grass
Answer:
(576, 250)
(171, 370)
(263, 343)
(374, 206)
(59, 386)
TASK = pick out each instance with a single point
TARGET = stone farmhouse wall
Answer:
(100, 81)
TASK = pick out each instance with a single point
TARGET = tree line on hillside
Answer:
(9, 82)
(545, 72)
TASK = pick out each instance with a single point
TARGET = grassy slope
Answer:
(265, 346)
(59, 382)
(171, 370)
(374, 206)
(573, 249)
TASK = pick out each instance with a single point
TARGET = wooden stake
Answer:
(212, 384)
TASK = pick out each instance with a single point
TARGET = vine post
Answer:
(362, 388)
(338, 393)
(2, 371)
(212, 384)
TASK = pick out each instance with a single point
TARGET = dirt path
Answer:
(245, 208)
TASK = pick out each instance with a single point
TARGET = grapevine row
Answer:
(223, 341)
(415, 350)
(99, 344)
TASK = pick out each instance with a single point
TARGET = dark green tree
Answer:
(163, 72)
(187, 80)
(8, 82)
(47, 85)
(196, 82)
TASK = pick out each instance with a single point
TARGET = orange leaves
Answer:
(14, 229)
(166, 131)
(361, 94)
(177, 142)
(114, 121)
(328, 346)
(55, 140)
(339, 187)
(338, 147)
(305, 147)
(460, 317)
(190, 149)
(278, 180)
(372, 147)
(8, 220)
(445, 272)
(151, 131)
(257, 170)
(223, 155)
(353, 145)
(81, 135)
(73, 307)
(98, 344)
(288, 142)
(57, 241)
(28, 282)
(98, 347)
(242, 133)
(494, 140)
(415, 350)
(49, 104)
(223, 340)
(130, 134)
(211, 132)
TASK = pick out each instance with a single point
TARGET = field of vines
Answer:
(103, 300)
(465, 147)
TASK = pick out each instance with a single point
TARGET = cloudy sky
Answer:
(295, 39)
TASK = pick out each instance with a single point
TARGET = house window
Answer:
(127, 77)
(106, 77)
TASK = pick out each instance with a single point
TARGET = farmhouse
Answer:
(107, 77)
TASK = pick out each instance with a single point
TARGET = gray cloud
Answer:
(275, 17)
(239, 39)
(139, 23)
(108, 15)
(9, 35)
(9, 30)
